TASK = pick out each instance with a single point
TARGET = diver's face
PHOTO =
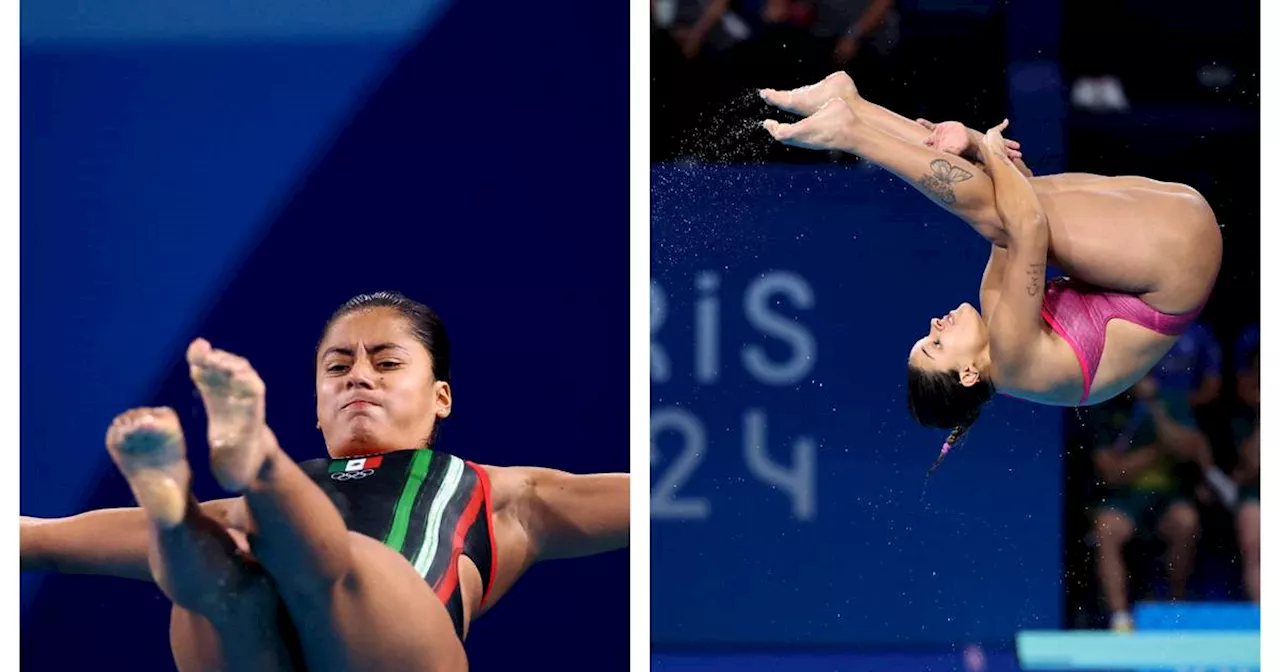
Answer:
(954, 342)
(375, 387)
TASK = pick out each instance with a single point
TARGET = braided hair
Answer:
(954, 438)
(938, 399)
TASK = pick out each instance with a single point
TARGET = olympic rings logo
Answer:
(351, 475)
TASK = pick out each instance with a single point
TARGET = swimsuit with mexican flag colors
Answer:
(428, 506)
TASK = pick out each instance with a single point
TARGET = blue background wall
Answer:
(236, 175)
(818, 532)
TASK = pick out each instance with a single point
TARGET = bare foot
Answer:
(235, 401)
(806, 100)
(828, 128)
(148, 448)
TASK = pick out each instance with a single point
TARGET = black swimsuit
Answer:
(429, 506)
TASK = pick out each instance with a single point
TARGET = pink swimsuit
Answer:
(1080, 313)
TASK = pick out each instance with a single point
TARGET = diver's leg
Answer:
(952, 182)
(382, 617)
(356, 604)
(295, 523)
(193, 557)
(806, 100)
(256, 636)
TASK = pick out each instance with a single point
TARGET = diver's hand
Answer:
(955, 138)
(950, 137)
(994, 147)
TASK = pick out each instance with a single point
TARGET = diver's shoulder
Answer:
(1046, 371)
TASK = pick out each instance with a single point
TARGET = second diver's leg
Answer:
(193, 558)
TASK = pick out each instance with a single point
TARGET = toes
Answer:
(223, 360)
(207, 375)
(772, 97)
(134, 417)
(202, 355)
(779, 131)
(164, 415)
(154, 418)
(117, 428)
(219, 372)
(198, 351)
(160, 420)
(204, 360)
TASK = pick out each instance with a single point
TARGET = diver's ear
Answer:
(444, 399)
(969, 376)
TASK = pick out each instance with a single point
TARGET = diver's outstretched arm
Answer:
(566, 515)
(108, 542)
(105, 542)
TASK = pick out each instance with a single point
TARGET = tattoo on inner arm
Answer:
(1035, 279)
(942, 178)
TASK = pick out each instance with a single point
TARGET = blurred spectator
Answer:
(1192, 368)
(698, 25)
(856, 30)
(706, 54)
(798, 42)
(1139, 441)
(1248, 467)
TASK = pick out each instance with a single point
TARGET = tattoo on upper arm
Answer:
(1035, 279)
(941, 179)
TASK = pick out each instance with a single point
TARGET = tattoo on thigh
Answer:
(942, 178)
(1035, 279)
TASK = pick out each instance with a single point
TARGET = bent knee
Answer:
(372, 567)
(1181, 522)
(1112, 527)
(372, 558)
(1206, 225)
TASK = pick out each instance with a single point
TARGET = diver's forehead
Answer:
(918, 350)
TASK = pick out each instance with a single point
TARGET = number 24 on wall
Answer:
(798, 481)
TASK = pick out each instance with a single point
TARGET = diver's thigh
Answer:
(382, 617)
(256, 636)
